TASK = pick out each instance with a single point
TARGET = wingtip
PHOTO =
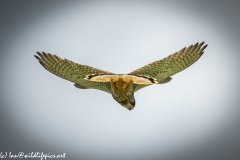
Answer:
(39, 53)
(45, 54)
(202, 43)
(205, 46)
(37, 57)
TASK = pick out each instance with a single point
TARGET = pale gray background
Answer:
(195, 116)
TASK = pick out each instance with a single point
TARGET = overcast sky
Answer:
(195, 116)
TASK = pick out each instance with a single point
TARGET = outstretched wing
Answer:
(71, 71)
(163, 69)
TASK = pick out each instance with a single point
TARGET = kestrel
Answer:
(122, 86)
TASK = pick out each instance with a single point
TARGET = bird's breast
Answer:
(121, 88)
(120, 84)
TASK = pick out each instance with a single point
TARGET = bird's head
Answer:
(128, 103)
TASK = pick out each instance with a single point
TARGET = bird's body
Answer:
(122, 86)
(122, 90)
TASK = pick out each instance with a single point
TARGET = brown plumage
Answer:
(122, 86)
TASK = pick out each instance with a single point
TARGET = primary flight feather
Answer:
(122, 86)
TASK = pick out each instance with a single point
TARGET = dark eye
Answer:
(132, 101)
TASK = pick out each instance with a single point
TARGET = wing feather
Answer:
(163, 69)
(72, 71)
(172, 64)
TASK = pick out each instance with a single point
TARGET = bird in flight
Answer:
(122, 86)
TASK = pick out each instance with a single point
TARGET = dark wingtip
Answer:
(39, 53)
(36, 56)
(205, 46)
